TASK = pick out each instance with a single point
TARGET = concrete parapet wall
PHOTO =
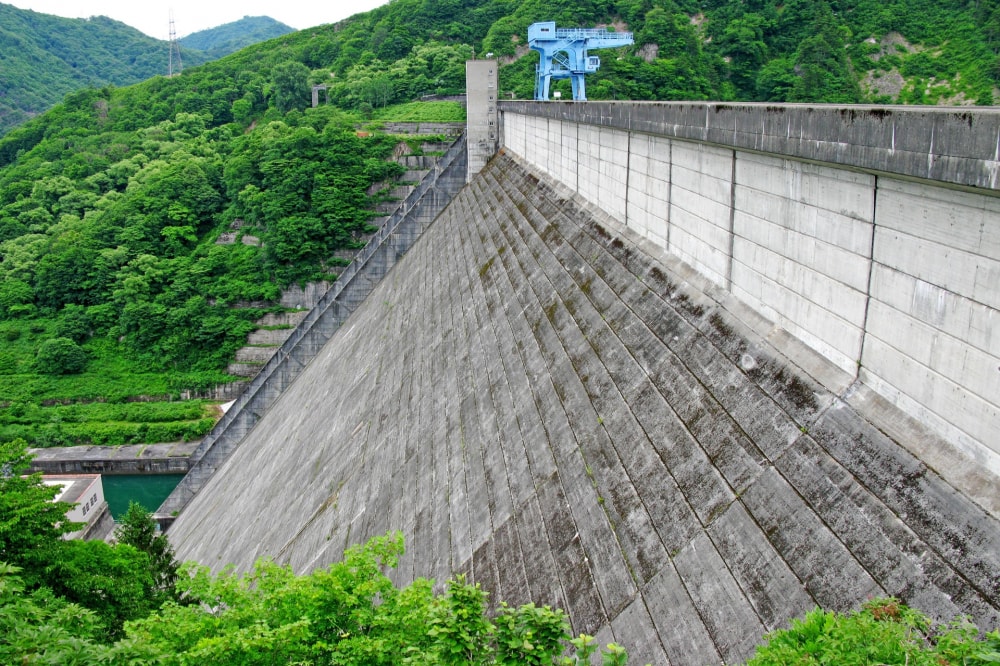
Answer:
(449, 129)
(830, 222)
(949, 145)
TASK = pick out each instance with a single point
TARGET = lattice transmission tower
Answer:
(174, 60)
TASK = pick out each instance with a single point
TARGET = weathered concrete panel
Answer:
(542, 404)
(700, 208)
(567, 153)
(933, 349)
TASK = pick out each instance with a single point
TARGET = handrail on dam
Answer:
(183, 493)
(360, 259)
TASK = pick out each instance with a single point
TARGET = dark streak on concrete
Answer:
(561, 417)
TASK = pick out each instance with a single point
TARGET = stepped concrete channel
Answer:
(542, 399)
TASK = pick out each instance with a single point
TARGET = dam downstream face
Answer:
(536, 402)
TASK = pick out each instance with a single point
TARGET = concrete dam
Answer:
(684, 370)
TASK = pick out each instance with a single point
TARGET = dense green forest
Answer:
(44, 57)
(231, 37)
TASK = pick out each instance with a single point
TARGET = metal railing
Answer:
(316, 313)
(591, 33)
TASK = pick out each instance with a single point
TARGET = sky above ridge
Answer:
(153, 18)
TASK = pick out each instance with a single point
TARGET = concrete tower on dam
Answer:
(684, 370)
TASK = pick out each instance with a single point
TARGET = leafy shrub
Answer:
(74, 323)
(8, 364)
(15, 294)
(60, 356)
(883, 631)
(347, 613)
(106, 433)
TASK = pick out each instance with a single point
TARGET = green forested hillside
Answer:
(111, 283)
(231, 37)
(896, 51)
(43, 57)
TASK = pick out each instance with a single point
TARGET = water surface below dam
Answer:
(148, 490)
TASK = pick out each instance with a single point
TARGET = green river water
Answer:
(147, 489)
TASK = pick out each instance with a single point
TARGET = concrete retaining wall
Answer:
(815, 218)
(129, 459)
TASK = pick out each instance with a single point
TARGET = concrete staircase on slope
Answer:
(274, 330)
(370, 265)
(262, 343)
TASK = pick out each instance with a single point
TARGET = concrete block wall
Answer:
(701, 183)
(802, 250)
(649, 187)
(895, 282)
(933, 330)
(603, 165)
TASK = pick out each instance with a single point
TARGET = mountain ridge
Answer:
(231, 37)
(44, 57)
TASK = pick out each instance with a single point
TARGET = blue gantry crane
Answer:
(563, 54)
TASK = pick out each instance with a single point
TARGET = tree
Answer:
(378, 91)
(37, 627)
(290, 86)
(31, 523)
(138, 529)
(743, 42)
(60, 356)
(776, 80)
(74, 323)
(15, 296)
(113, 581)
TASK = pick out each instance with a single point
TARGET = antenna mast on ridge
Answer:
(175, 49)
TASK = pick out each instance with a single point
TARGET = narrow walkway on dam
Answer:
(536, 402)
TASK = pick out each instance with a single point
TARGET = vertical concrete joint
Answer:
(628, 169)
(868, 288)
(732, 225)
(670, 188)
